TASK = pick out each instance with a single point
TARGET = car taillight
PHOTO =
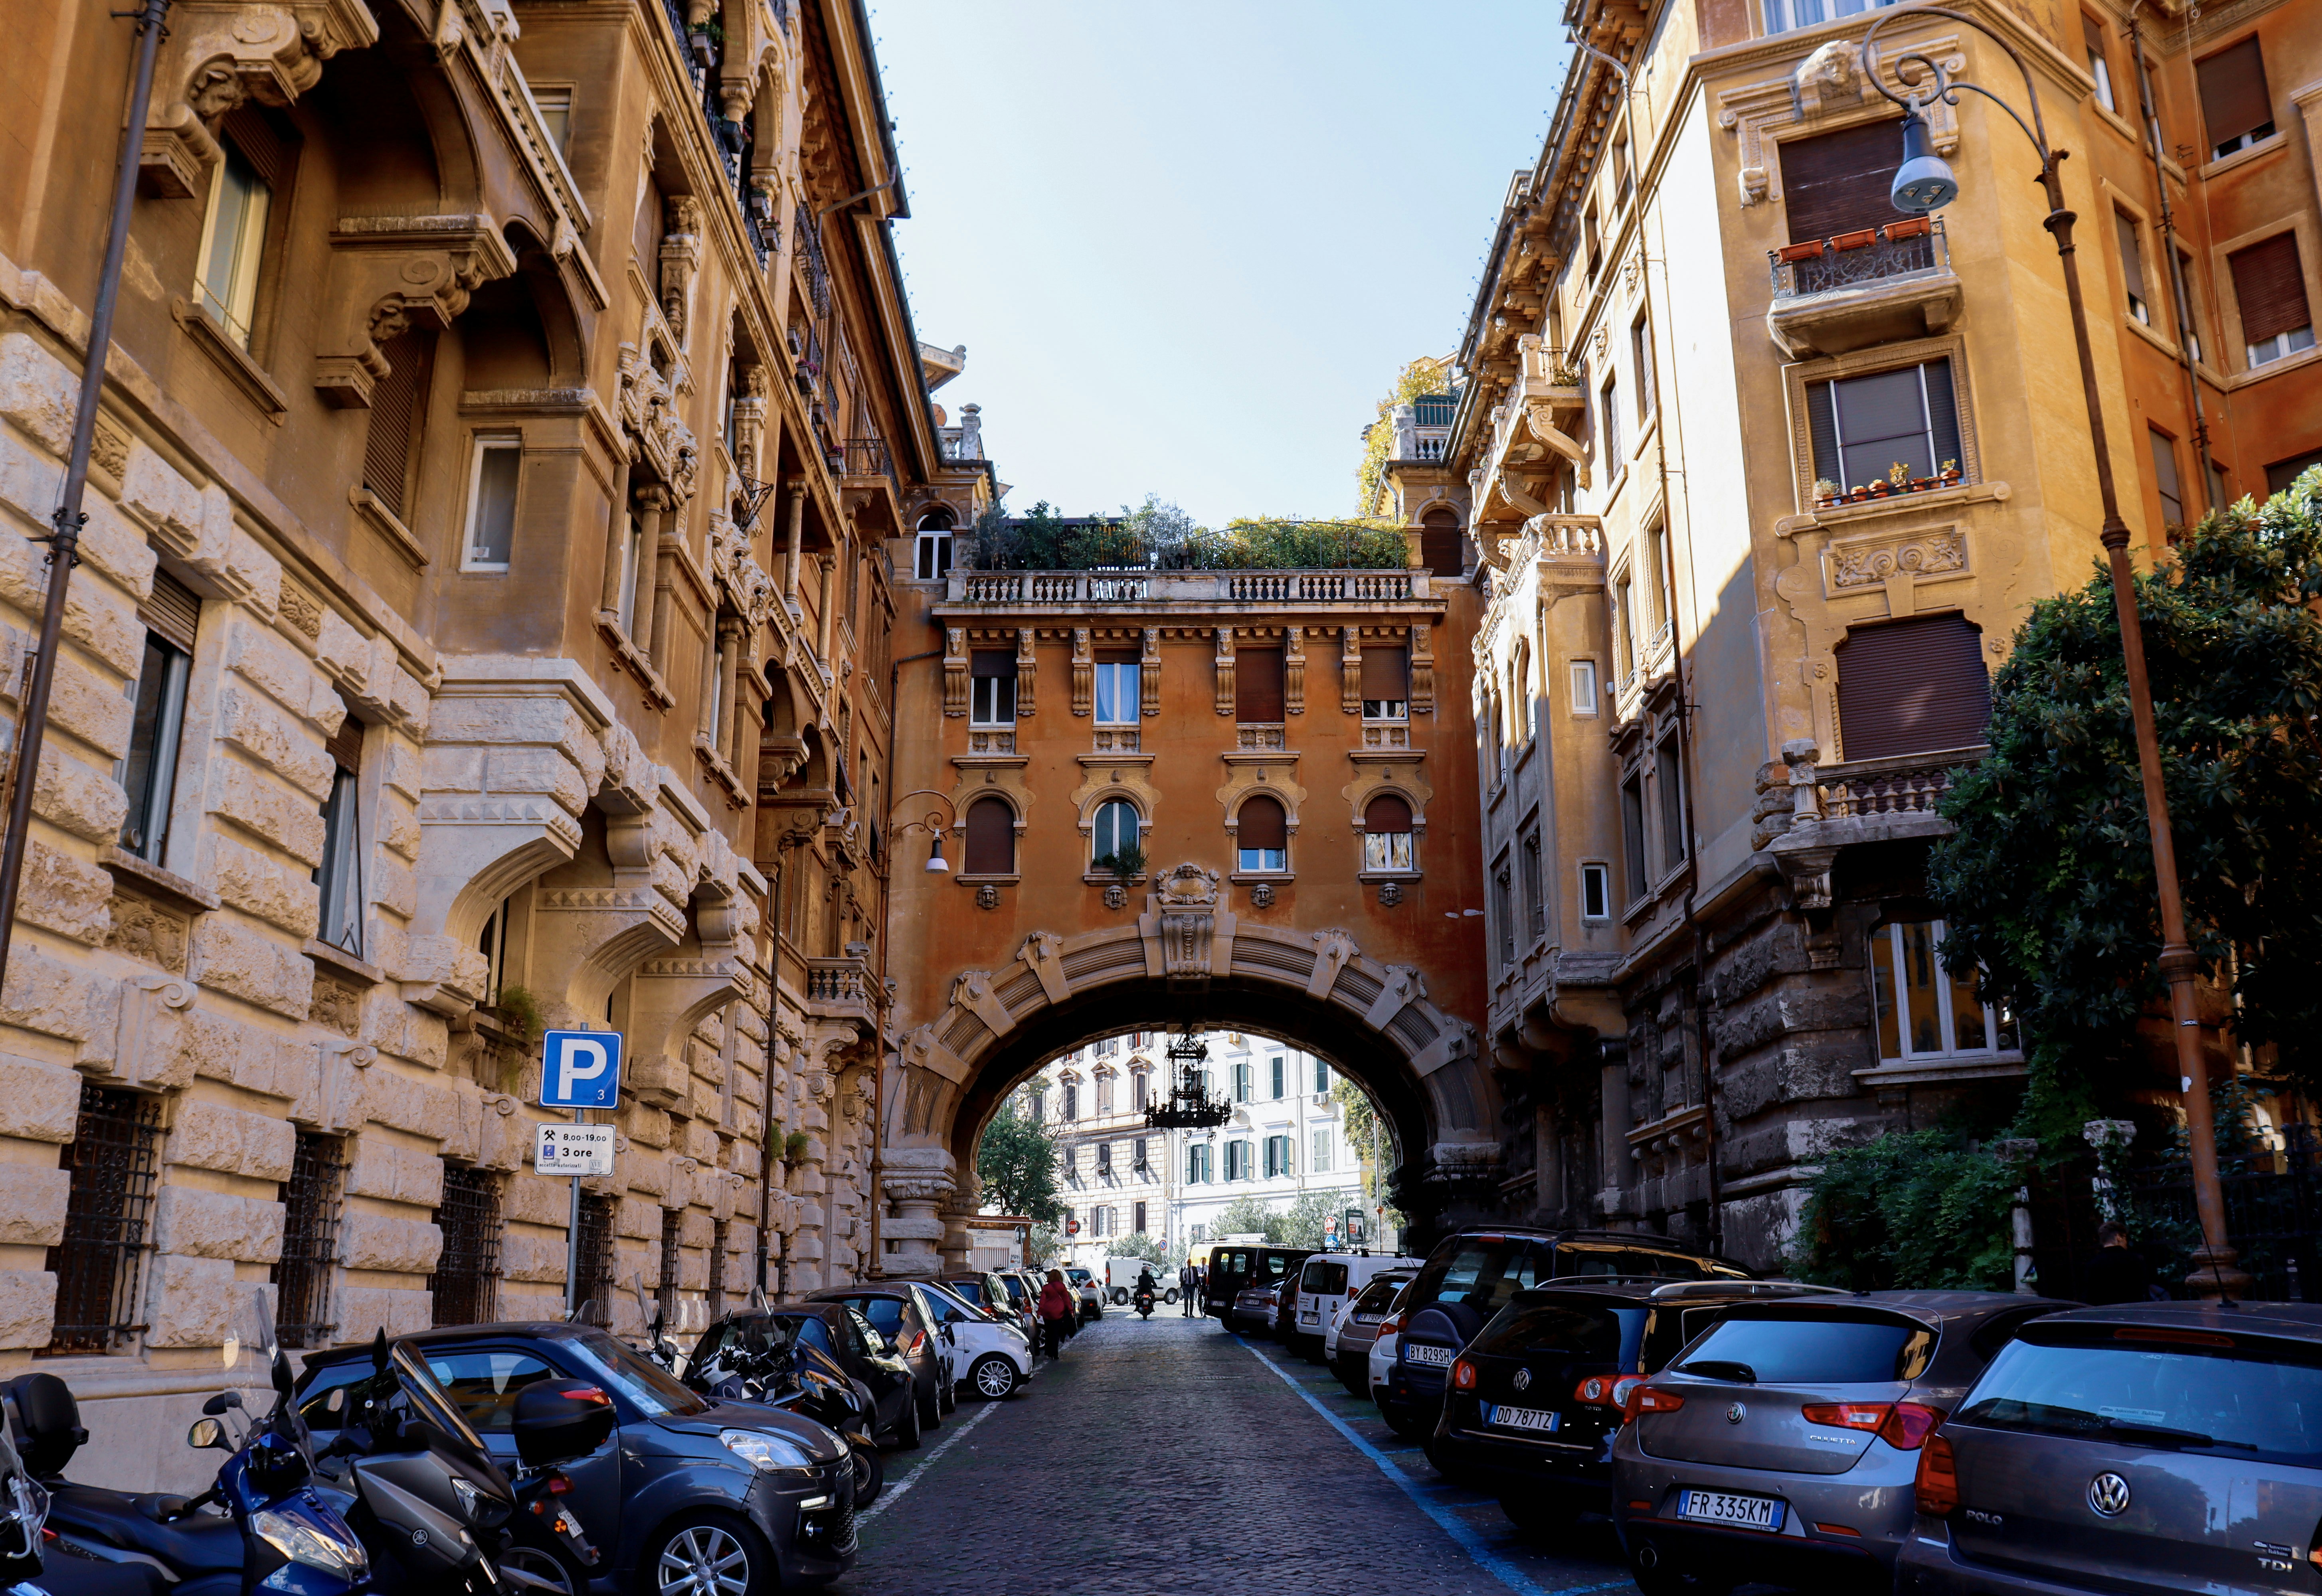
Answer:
(1463, 1375)
(1390, 1326)
(918, 1343)
(1937, 1485)
(1908, 1425)
(1649, 1398)
(1851, 1416)
(1605, 1391)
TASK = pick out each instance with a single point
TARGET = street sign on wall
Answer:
(580, 1070)
(572, 1150)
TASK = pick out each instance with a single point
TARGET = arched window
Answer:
(1440, 542)
(1263, 834)
(934, 543)
(990, 838)
(1115, 833)
(1386, 833)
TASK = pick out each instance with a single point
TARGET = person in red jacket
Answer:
(1056, 1308)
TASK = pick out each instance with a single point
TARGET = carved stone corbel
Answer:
(389, 273)
(216, 54)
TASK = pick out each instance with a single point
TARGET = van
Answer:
(1327, 1282)
(1121, 1278)
(1236, 1269)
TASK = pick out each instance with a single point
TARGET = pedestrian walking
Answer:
(2116, 1274)
(1186, 1291)
(1057, 1309)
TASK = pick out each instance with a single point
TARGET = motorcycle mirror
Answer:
(285, 1381)
(379, 1352)
(223, 1402)
(207, 1435)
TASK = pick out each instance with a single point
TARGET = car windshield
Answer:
(885, 1313)
(1481, 1273)
(2236, 1400)
(1584, 1333)
(1013, 1286)
(1597, 1258)
(1813, 1349)
(648, 1386)
(1379, 1294)
(972, 1290)
(429, 1398)
(1671, 1327)
(949, 1304)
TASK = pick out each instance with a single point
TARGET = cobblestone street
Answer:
(1169, 1456)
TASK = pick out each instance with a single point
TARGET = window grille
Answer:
(717, 1269)
(673, 1230)
(311, 1201)
(467, 1271)
(592, 1294)
(113, 1158)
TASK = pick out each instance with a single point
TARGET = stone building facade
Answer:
(1764, 476)
(483, 627)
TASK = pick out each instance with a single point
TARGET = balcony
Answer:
(1872, 800)
(864, 464)
(1019, 589)
(839, 988)
(701, 49)
(1875, 286)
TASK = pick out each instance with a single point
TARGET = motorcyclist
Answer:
(1145, 1293)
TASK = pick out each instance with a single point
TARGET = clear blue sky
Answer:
(1189, 246)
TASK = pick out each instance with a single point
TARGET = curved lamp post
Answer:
(932, 823)
(1922, 184)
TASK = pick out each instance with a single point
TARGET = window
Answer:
(2131, 266)
(1321, 1078)
(234, 241)
(492, 943)
(1197, 1165)
(311, 1200)
(1119, 682)
(486, 1384)
(1624, 625)
(2193, 305)
(1241, 1082)
(990, 838)
(1105, 1105)
(1263, 835)
(1622, 181)
(1386, 684)
(149, 776)
(1277, 1156)
(1137, 1215)
(634, 576)
(2164, 477)
(991, 687)
(1838, 183)
(1386, 833)
(491, 504)
(1912, 686)
(2270, 286)
(1116, 832)
(1136, 1159)
(340, 875)
(1669, 777)
(1072, 1108)
(1503, 910)
(398, 411)
(1281, 1079)
(1640, 351)
(2234, 99)
(1238, 1160)
(2282, 474)
(1583, 688)
(1440, 542)
(593, 1288)
(1923, 1009)
(1321, 1164)
(1608, 412)
(1258, 685)
(672, 1238)
(1863, 426)
(1596, 892)
(111, 1163)
(934, 549)
(1535, 909)
(1632, 834)
(1594, 239)
(1103, 1149)
(556, 115)
(1140, 1089)
(1657, 585)
(469, 1266)
(1101, 1221)
(1784, 15)
(2099, 68)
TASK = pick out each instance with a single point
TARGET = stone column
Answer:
(665, 594)
(796, 537)
(650, 505)
(829, 564)
(616, 537)
(714, 645)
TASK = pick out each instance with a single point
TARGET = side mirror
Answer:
(207, 1435)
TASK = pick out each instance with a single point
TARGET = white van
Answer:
(1121, 1278)
(1327, 1282)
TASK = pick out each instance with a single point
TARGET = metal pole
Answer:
(64, 541)
(572, 1237)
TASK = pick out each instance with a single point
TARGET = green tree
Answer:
(1247, 1216)
(2047, 882)
(1425, 375)
(1909, 1211)
(1017, 1162)
(1369, 1141)
(1301, 1221)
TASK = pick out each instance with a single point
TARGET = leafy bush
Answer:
(1911, 1210)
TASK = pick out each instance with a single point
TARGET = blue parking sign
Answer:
(580, 1070)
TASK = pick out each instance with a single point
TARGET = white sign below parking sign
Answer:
(580, 1070)
(572, 1150)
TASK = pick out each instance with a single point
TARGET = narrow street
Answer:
(1169, 1456)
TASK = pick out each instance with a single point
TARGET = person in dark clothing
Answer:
(2116, 1275)
(1185, 1279)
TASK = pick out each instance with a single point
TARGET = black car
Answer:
(683, 1487)
(842, 1335)
(1234, 1270)
(914, 1330)
(1473, 1275)
(1535, 1399)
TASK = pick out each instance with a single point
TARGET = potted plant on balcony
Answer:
(1825, 491)
(1950, 472)
(1791, 254)
(1861, 239)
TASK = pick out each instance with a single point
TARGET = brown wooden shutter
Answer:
(173, 611)
(345, 746)
(1387, 674)
(991, 662)
(1439, 542)
(1262, 825)
(990, 838)
(2269, 285)
(1912, 686)
(1386, 815)
(2132, 257)
(396, 402)
(1257, 684)
(1835, 183)
(2233, 100)
(1117, 656)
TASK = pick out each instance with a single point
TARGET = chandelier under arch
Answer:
(1189, 1105)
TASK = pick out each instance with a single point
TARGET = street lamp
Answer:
(1924, 183)
(933, 823)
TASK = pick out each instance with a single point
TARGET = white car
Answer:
(1383, 1346)
(1347, 1343)
(1327, 1282)
(992, 1357)
(1086, 1291)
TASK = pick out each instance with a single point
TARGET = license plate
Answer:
(1723, 1507)
(1522, 1418)
(1435, 1356)
(1310, 1318)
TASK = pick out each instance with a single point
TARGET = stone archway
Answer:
(1184, 958)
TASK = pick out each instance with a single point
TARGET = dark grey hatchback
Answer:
(2152, 1447)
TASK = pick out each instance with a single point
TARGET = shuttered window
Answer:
(2164, 477)
(2131, 266)
(1263, 824)
(397, 401)
(1257, 684)
(2270, 287)
(1633, 835)
(1835, 183)
(173, 611)
(1387, 813)
(1439, 542)
(1863, 426)
(990, 839)
(1386, 683)
(2099, 67)
(1912, 686)
(2233, 101)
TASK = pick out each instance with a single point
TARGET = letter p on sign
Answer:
(580, 1070)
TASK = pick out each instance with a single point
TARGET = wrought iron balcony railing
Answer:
(1899, 249)
(870, 457)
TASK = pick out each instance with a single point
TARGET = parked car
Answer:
(898, 1310)
(1536, 1397)
(1086, 1291)
(1233, 1268)
(1023, 1295)
(685, 1485)
(995, 1357)
(1252, 1309)
(1347, 1341)
(1471, 1275)
(1385, 1341)
(1120, 1279)
(844, 1336)
(1782, 1444)
(1327, 1281)
(2160, 1446)
(983, 1289)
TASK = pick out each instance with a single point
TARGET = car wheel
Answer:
(1119, 1296)
(1170, 1295)
(1397, 1422)
(1539, 1516)
(931, 1409)
(992, 1378)
(870, 1475)
(947, 1395)
(546, 1566)
(908, 1435)
(710, 1554)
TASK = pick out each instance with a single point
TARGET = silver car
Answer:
(2160, 1447)
(1782, 1444)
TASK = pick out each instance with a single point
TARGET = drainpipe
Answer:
(2185, 323)
(64, 542)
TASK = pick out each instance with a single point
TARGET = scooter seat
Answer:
(201, 1543)
(160, 1506)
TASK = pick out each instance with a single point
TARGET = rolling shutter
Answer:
(2233, 100)
(991, 662)
(1387, 674)
(1822, 426)
(1438, 543)
(990, 838)
(2132, 257)
(1836, 183)
(345, 746)
(1386, 814)
(2269, 285)
(1262, 825)
(1257, 684)
(396, 403)
(1912, 686)
(173, 613)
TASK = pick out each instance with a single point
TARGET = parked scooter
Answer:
(800, 1380)
(25, 1569)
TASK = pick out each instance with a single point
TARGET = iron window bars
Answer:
(113, 1158)
(467, 1271)
(312, 1199)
